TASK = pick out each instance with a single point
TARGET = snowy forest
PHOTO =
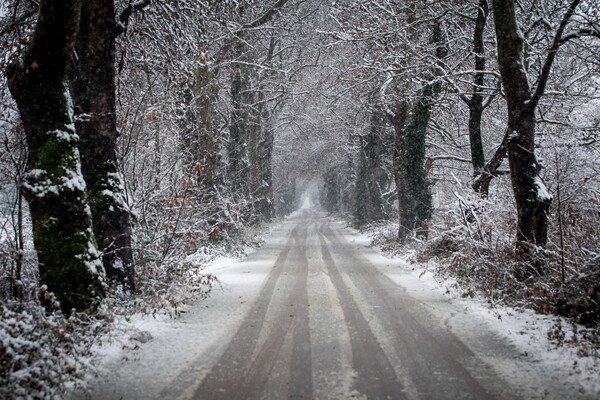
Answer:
(141, 140)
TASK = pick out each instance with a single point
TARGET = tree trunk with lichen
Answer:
(94, 98)
(70, 265)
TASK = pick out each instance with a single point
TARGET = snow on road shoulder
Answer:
(539, 362)
(151, 353)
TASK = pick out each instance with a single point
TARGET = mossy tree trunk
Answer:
(263, 180)
(70, 264)
(263, 151)
(414, 189)
(94, 97)
(417, 206)
(330, 192)
(405, 213)
(360, 186)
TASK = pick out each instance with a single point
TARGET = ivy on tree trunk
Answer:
(203, 142)
(416, 204)
(237, 168)
(69, 262)
(414, 189)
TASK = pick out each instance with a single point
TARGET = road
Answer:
(326, 323)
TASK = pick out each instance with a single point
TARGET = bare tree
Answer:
(532, 198)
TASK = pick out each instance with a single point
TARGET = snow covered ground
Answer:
(161, 357)
(133, 365)
(525, 330)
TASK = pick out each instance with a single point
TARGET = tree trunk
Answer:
(93, 89)
(260, 147)
(414, 189)
(265, 191)
(360, 191)
(416, 202)
(405, 213)
(237, 168)
(373, 152)
(532, 198)
(69, 262)
(264, 149)
(330, 192)
(251, 139)
(206, 149)
(490, 170)
(476, 102)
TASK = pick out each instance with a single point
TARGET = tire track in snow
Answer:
(439, 365)
(376, 378)
(244, 369)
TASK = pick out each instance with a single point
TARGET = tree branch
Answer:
(579, 34)
(490, 170)
(127, 12)
(18, 20)
(263, 19)
(539, 91)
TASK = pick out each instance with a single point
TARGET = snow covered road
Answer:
(317, 314)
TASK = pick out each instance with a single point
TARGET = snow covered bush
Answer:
(43, 355)
(472, 248)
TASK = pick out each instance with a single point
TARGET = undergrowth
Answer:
(472, 245)
(45, 355)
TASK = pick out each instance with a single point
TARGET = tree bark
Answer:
(405, 213)
(237, 167)
(490, 170)
(414, 189)
(532, 199)
(264, 148)
(53, 185)
(373, 153)
(360, 190)
(205, 152)
(94, 97)
(476, 102)
(416, 205)
(251, 139)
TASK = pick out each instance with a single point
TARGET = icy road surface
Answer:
(311, 315)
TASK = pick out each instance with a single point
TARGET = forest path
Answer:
(324, 322)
